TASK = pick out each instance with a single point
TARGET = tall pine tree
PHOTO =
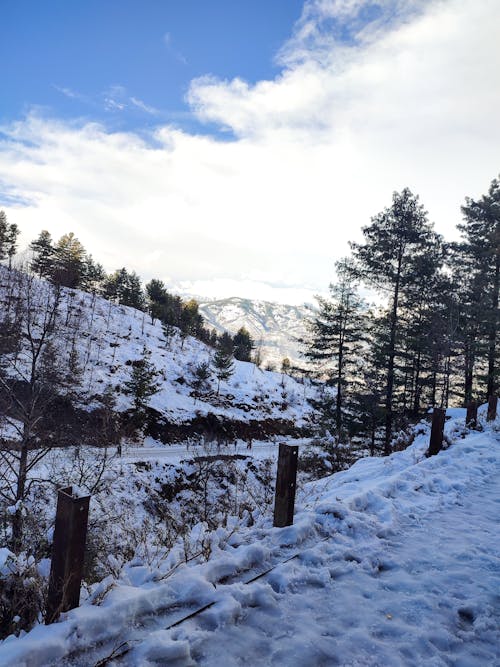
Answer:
(388, 260)
(481, 232)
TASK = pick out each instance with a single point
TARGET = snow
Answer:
(392, 562)
(109, 337)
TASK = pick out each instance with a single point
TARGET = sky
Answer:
(235, 148)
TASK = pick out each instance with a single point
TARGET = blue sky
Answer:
(235, 148)
(129, 63)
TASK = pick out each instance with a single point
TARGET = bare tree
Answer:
(31, 376)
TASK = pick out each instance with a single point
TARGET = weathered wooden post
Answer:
(437, 431)
(492, 408)
(68, 550)
(286, 478)
(471, 417)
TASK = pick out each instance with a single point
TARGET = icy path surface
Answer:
(412, 579)
(420, 597)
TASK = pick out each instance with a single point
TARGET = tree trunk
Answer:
(390, 364)
(338, 404)
(493, 331)
(416, 395)
(17, 517)
(468, 373)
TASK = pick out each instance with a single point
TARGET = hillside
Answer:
(103, 340)
(275, 328)
(393, 562)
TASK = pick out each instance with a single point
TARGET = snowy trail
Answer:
(408, 583)
(176, 453)
(417, 598)
(259, 449)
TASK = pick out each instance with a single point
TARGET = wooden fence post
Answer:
(471, 417)
(437, 431)
(286, 478)
(68, 550)
(492, 408)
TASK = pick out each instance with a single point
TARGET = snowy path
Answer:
(259, 449)
(415, 582)
(416, 598)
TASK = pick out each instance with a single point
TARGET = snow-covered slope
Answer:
(393, 562)
(108, 338)
(274, 327)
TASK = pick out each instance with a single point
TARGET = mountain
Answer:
(274, 327)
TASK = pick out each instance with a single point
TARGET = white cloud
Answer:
(70, 93)
(412, 100)
(167, 40)
(143, 106)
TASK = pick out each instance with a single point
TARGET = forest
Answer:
(428, 337)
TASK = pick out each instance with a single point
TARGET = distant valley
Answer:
(274, 327)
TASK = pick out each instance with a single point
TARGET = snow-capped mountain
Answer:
(276, 328)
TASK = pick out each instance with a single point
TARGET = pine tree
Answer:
(395, 242)
(201, 377)
(335, 339)
(44, 251)
(125, 288)
(223, 359)
(133, 294)
(469, 288)
(142, 384)
(93, 275)
(481, 232)
(69, 262)
(190, 322)
(157, 299)
(243, 345)
(8, 238)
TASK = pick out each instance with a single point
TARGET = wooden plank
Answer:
(437, 431)
(68, 551)
(286, 480)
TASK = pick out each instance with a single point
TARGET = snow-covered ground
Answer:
(153, 451)
(393, 562)
(108, 338)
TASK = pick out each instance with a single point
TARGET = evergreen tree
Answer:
(395, 242)
(222, 362)
(93, 275)
(201, 377)
(157, 299)
(243, 345)
(335, 339)
(424, 337)
(142, 384)
(125, 288)
(8, 238)
(133, 294)
(481, 232)
(43, 260)
(469, 288)
(69, 262)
